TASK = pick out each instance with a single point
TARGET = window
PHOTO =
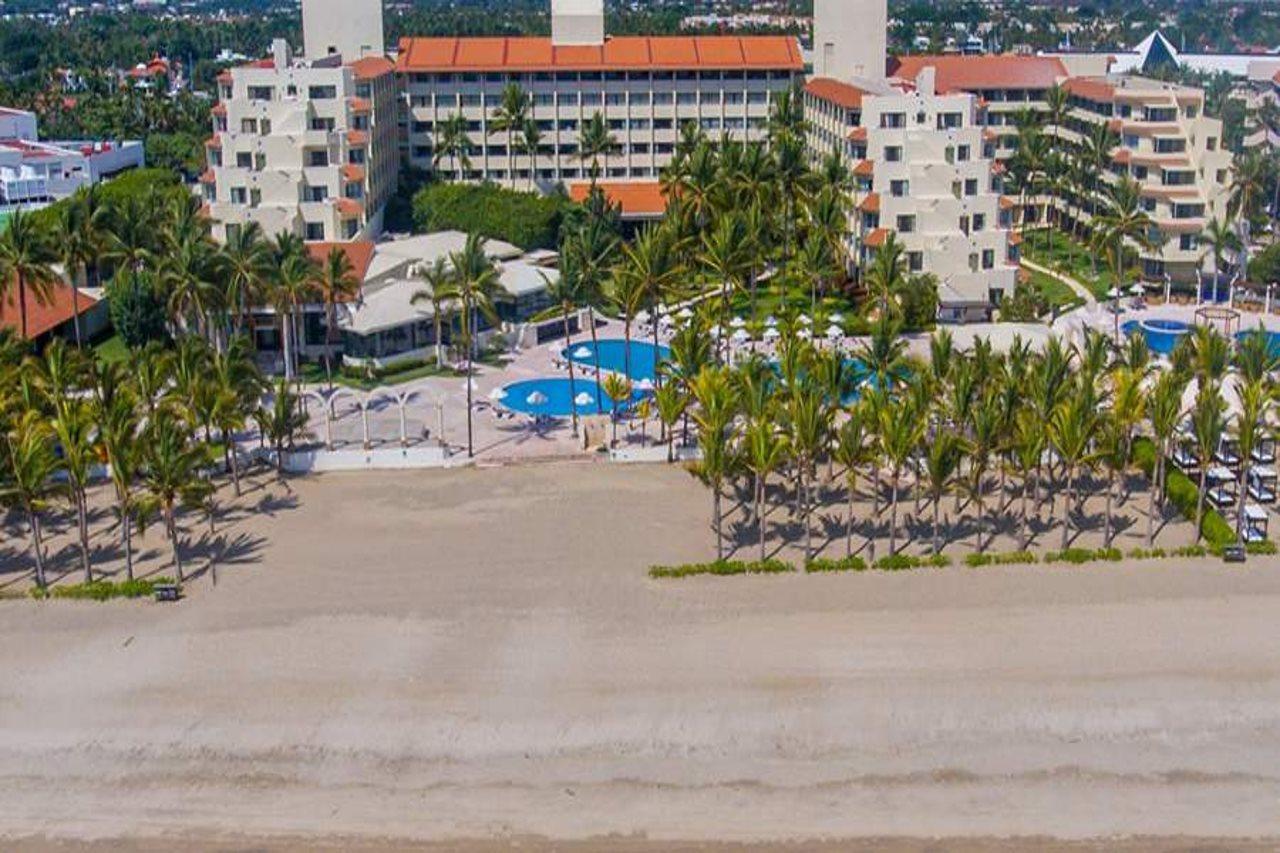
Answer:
(248, 125)
(244, 160)
(355, 157)
(239, 195)
(322, 93)
(973, 262)
(962, 153)
(1211, 143)
(317, 158)
(315, 193)
(893, 120)
(906, 224)
(261, 93)
(979, 221)
(318, 123)
(893, 153)
(315, 231)
(1188, 242)
(915, 261)
(947, 121)
(988, 259)
(899, 188)
(971, 186)
(949, 154)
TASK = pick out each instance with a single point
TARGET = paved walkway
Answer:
(1080, 290)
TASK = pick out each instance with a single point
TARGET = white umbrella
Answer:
(737, 322)
(537, 398)
(804, 334)
(1114, 293)
(1137, 290)
(803, 320)
(741, 336)
(582, 352)
(498, 394)
(834, 331)
(684, 313)
(644, 385)
(772, 333)
(771, 321)
(583, 399)
(837, 318)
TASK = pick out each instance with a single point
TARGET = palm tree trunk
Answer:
(82, 525)
(937, 526)
(1066, 515)
(126, 538)
(75, 306)
(595, 357)
(715, 519)
(978, 499)
(573, 405)
(235, 464)
(172, 528)
(470, 439)
(893, 513)
(808, 528)
(760, 493)
(1026, 537)
(1106, 521)
(848, 522)
(1200, 501)
(22, 303)
(37, 547)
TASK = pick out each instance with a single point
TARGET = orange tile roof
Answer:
(876, 238)
(358, 252)
(841, 94)
(352, 172)
(206, 177)
(996, 71)
(1015, 239)
(635, 198)
(360, 105)
(864, 169)
(213, 142)
(870, 204)
(1121, 156)
(219, 109)
(858, 134)
(1090, 88)
(619, 53)
(42, 317)
(372, 66)
(1006, 203)
(357, 137)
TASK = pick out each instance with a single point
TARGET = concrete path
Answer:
(1080, 290)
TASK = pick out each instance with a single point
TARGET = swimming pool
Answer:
(1273, 339)
(552, 397)
(613, 357)
(1162, 335)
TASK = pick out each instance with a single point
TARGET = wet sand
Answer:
(480, 655)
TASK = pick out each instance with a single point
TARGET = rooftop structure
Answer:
(349, 28)
(1156, 52)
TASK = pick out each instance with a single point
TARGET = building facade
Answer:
(305, 146)
(924, 171)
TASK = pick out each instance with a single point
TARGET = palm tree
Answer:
(941, 468)
(724, 255)
(171, 477)
(590, 252)
(1164, 410)
(672, 402)
(649, 265)
(191, 273)
(338, 283)
(247, 266)
(618, 390)
(714, 392)
(529, 143)
(595, 141)
(1248, 189)
(985, 429)
(75, 431)
(764, 451)
(453, 140)
(808, 421)
(899, 433)
(510, 116)
(1071, 431)
(1028, 446)
(887, 275)
(476, 279)
(854, 449)
(1220, 239)
(1207, 425)
(75, 238)
(26, 260)
(123, 452)
(1249, 424)
(29, 486)
(294, 283)
(282, 422)
(441, 294)
(1111, 443)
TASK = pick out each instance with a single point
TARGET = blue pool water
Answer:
(559, 400)
(1162, 335)
(613, 357)
(1273, 340)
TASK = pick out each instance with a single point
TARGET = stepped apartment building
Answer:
(306, 145)
(646, 88)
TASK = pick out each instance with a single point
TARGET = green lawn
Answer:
(1052, 291)
(112, 350)
(1068, 257)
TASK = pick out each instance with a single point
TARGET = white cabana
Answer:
(1255, 523)
(772, 333)
(738, 323)
(834, 331)
(741, 336)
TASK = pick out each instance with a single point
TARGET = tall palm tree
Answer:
(887, 275)
(854, 450)
(899, 433)
(764, 450)
(725, 256)
(476, 279)
(453, 140)
(1124, 221)
(26, 264)
(29, 485)
(171, 477)
(75, 238)
(529, 143)
(714, 393)
(442, 295)
(76, 434)
(247, 266)
(672, 402)
(295, 281)
(1071, 430)
(590, 252)
(1220, 240)
(941, 468)
(1028, 445)
(984, 437)
(338, 283)
(509, 117)
(122, 451)
(649, 263)
(808, 420)
(1208, 422)
(594, 142)
(281, 422)
(1247, 191)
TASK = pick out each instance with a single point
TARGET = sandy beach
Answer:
(479, 655)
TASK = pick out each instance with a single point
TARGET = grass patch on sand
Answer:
(102, 590)
(723, 567)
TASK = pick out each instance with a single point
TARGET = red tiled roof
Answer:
(639, 198)
(1015, 239)
(996, 71)
(858, 134)
(348, 206)
(219, 109)
(1090, 88)
(841, 94)
(357, 137)
(372, 66)
(352, 172)
(876, 238)
(42, 318)
(620, 53)
(360, 105)
(213, 142)
(870, 204)
(207, 177)
(358, 252)
(1006, 203)
(864, 169)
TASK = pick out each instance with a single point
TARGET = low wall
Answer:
(356, 459)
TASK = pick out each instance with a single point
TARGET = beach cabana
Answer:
(1264, 453)
(1221, 483)
(1228, 453)
(1183, 457)
(1262, 484)
(1256, 521)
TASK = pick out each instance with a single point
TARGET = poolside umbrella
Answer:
(772, 333)
(498, 394)
(837, 318)
(804, 334)
(741, 336)
(684, 313)
(771, 321)
(1137, 290)
(737, 322)
(582, 352)
(537, 398)
(583, 399)
(1113, 293)
(834, 331)
(803, 320)
(644, 385)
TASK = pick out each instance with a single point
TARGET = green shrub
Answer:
(722, 567)
(1011, 558)
(1190, 551)
(1265, 547)
(527, 220)
(137, 313)
(103, 590)
(845, 564)
(1076, 556)
(1146, 554)
(1183, 493)
(899, 562)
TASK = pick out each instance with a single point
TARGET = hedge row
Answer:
(845, 564)
(722, 567)
(1012, 558)
(103, 590)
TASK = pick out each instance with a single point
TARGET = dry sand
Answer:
(480, 655)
